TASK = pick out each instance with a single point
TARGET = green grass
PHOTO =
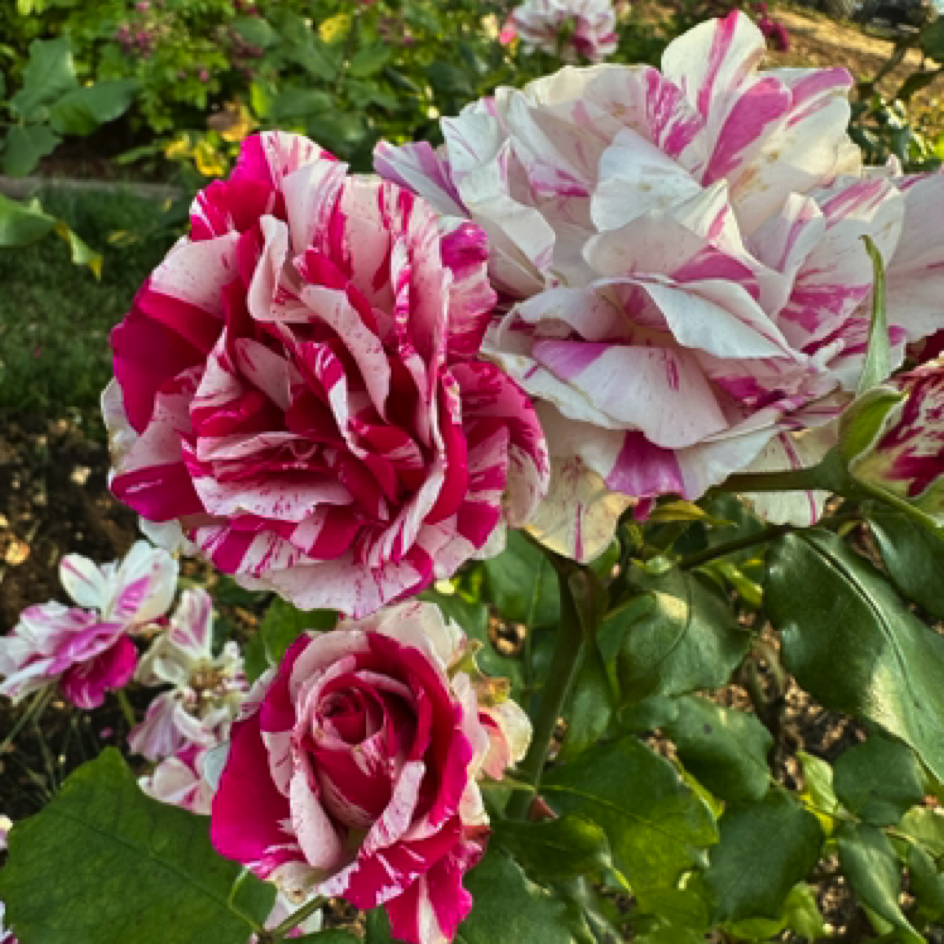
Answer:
(55, 317)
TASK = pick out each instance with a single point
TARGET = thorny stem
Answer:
(566, 660)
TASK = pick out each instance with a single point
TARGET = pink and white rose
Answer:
(179, 781)
(353, 772)
(571, 29)
(298, 386)
(681, 265)
(206, 692)
(86, 648)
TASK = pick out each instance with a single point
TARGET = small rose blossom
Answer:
(682, 267)
(207, 690)
(573, 29)
(86, 648)
(893, 438)
(298, 386)
(353, 772)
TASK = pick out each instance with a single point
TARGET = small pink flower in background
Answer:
(569, 28)
(775, 33)
(353, 771)
(682, 267)
(508, 34)
(903, 451)
(207, 691)
(179, 781)
(298, 386)
(86, 648)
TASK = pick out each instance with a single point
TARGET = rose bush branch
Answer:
(565, 664)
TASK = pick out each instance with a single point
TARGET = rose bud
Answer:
(893, 438)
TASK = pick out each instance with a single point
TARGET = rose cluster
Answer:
(615, 284)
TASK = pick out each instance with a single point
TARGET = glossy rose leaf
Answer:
(657, 826)
(891, 662)
(765, 849)
(102, 860)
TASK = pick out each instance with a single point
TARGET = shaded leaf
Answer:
(914, 556)
(764, 850)
(48, 75)
(724, 748)
(141, 862)
(926, 882)
(681, 636)
(369, 60)
(656, 825)
(25, 146)
(283, 624)
(869, 863)
(834, 609)
(878, 780)
(83, 110)
(555, 849)
(522, 584)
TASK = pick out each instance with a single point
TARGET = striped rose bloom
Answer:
(297, 386)
(684, 281)
(354, 769)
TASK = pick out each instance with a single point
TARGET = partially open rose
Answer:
(298, 386)
(354, 772)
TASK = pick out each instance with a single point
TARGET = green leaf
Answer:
(22, 223)
(931, 41)
(83, 110)
(556, 849)
(522, 584)
(299, 103)
(879, 780)
(256, 31)
(926, 882)
(927, 827)
(914, 557)
(878, 359)
(369, 60)
(725, 749)
(509, 907)
(25, 145)
(680, 636)
(803, 914)
(657, 826)
(314, 57)
(852, 644)
(869, 863)
(82, 254)
(48, 75)
(283, 624)
(654, 712)
(147, 871)
(594, 701)
(819, 789)
(255, 660)
(764, 850)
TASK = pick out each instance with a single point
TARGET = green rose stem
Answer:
(35, 711)
(126, 708)
(294, 920)
(565, 662)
